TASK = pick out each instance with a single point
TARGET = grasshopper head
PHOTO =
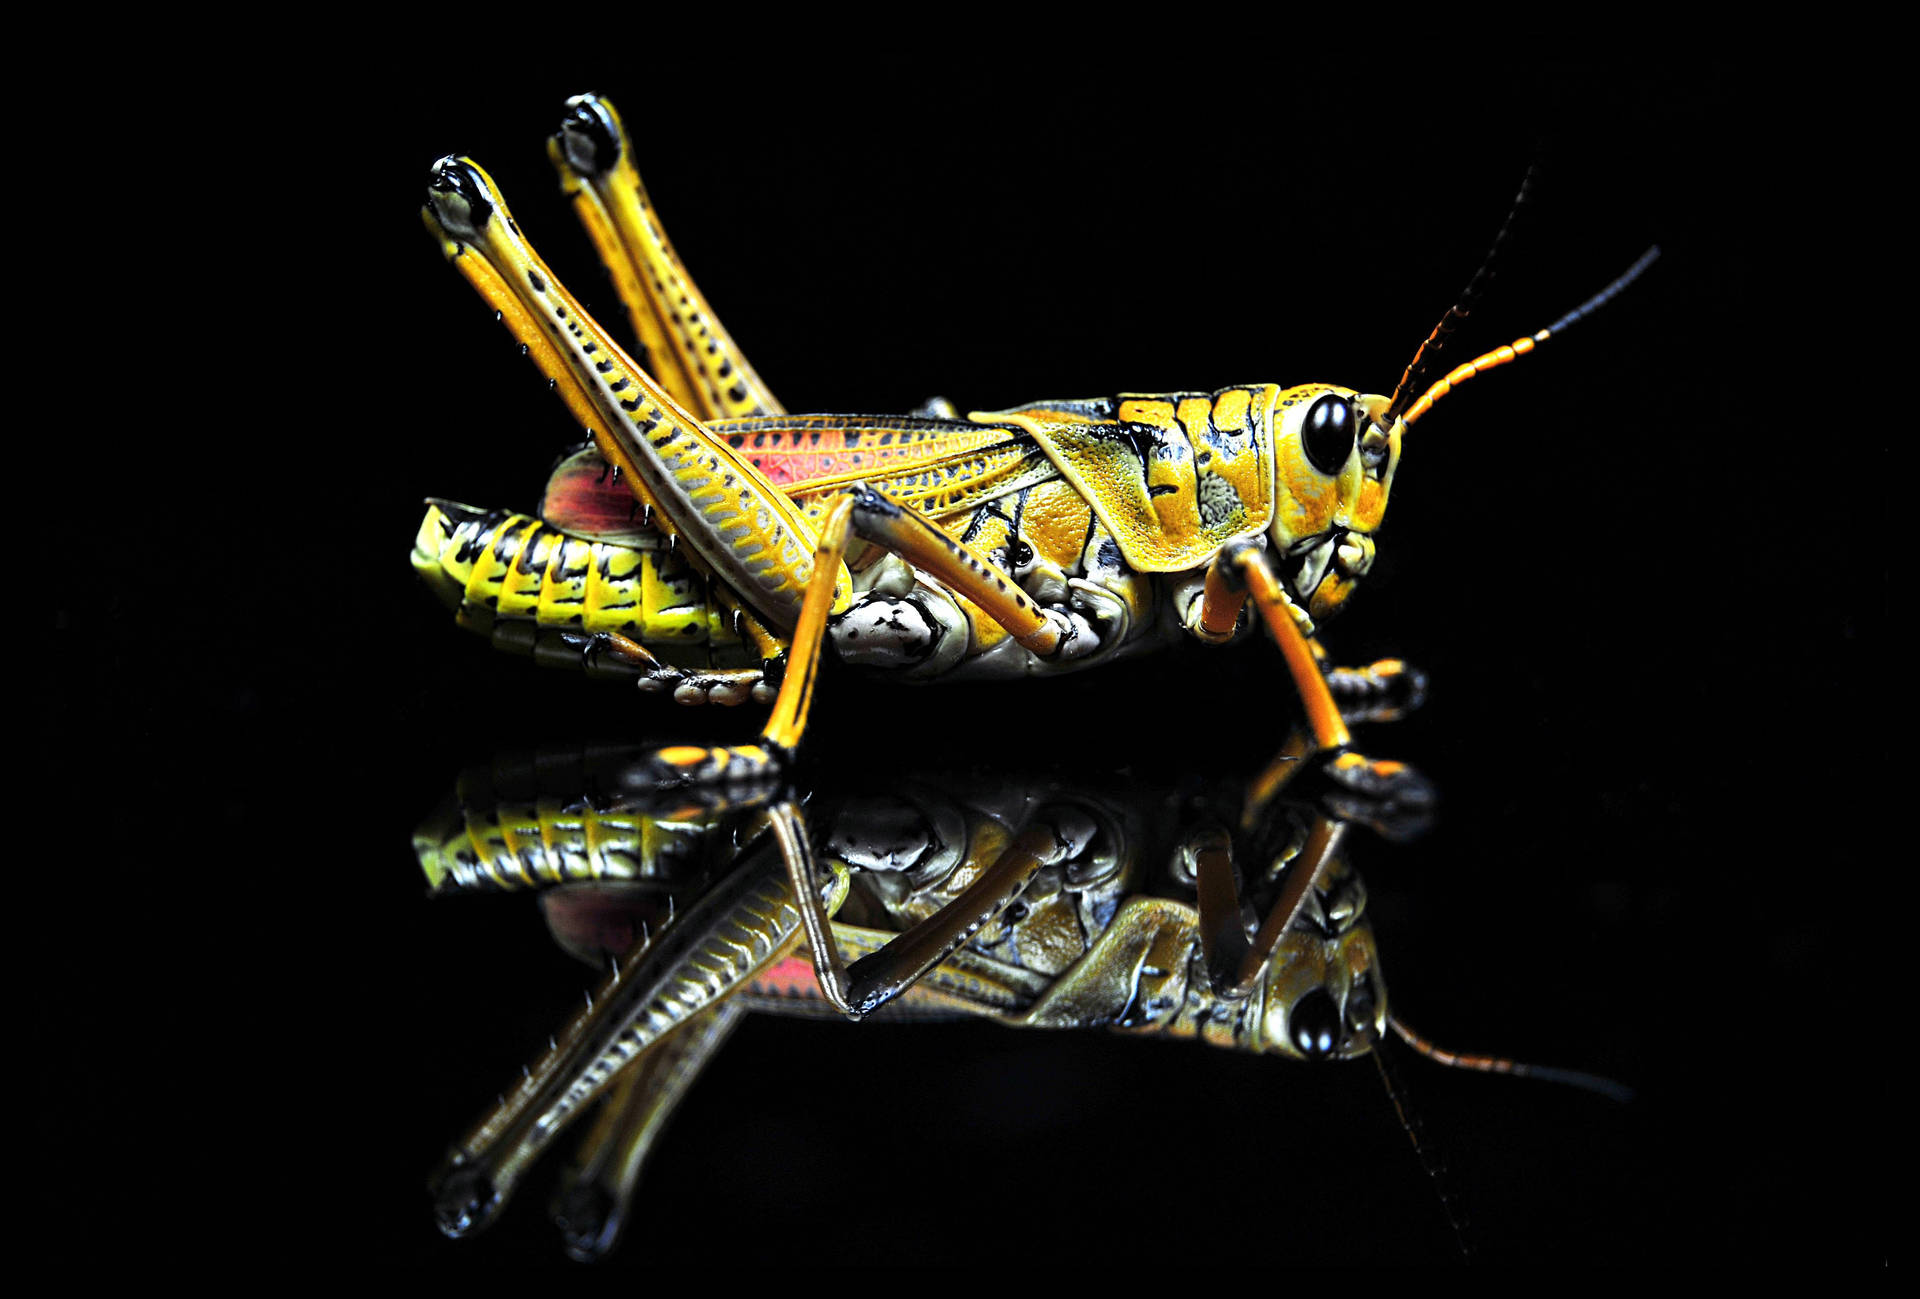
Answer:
(1334, 457)
(1324, 997)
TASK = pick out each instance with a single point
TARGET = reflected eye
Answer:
(1315, 1025)
(1329, 434)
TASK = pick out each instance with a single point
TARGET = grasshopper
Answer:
(712, 546)
(1135, 914)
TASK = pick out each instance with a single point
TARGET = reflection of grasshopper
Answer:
(711, 545)
(1038, 906)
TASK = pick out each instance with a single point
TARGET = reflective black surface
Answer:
(1642, 724)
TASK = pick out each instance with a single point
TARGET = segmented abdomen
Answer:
(536, 841)
(509, 575)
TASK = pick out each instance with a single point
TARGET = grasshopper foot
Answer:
(1382, 691)
(1391, 798)
(728, 688)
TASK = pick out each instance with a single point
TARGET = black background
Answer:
(1615, 560)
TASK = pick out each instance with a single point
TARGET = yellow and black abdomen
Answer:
(533, 589)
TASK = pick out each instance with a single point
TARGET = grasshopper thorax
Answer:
(1334, 458)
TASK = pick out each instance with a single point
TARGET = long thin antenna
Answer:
(1430, 1160)
(1428, 352)
(1594, 1083)
(1521, 346)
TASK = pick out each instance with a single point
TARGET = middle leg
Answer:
(1049, 632)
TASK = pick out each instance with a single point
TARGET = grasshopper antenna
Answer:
(1518, 347)
(1588, 1082)
(1428, 352)
(1430, 1159)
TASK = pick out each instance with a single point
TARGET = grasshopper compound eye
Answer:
(457, 193)
(590, 135)
(1315, 1025)
(1328, 434)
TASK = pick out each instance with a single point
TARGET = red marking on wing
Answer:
(802, 455)
(585, 498)
(817, 447)
(791, 976)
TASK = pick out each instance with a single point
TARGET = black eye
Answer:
(1328, 434)
(1315, 1025)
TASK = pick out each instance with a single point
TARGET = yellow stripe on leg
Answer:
(789, 719)
(1323, 715)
